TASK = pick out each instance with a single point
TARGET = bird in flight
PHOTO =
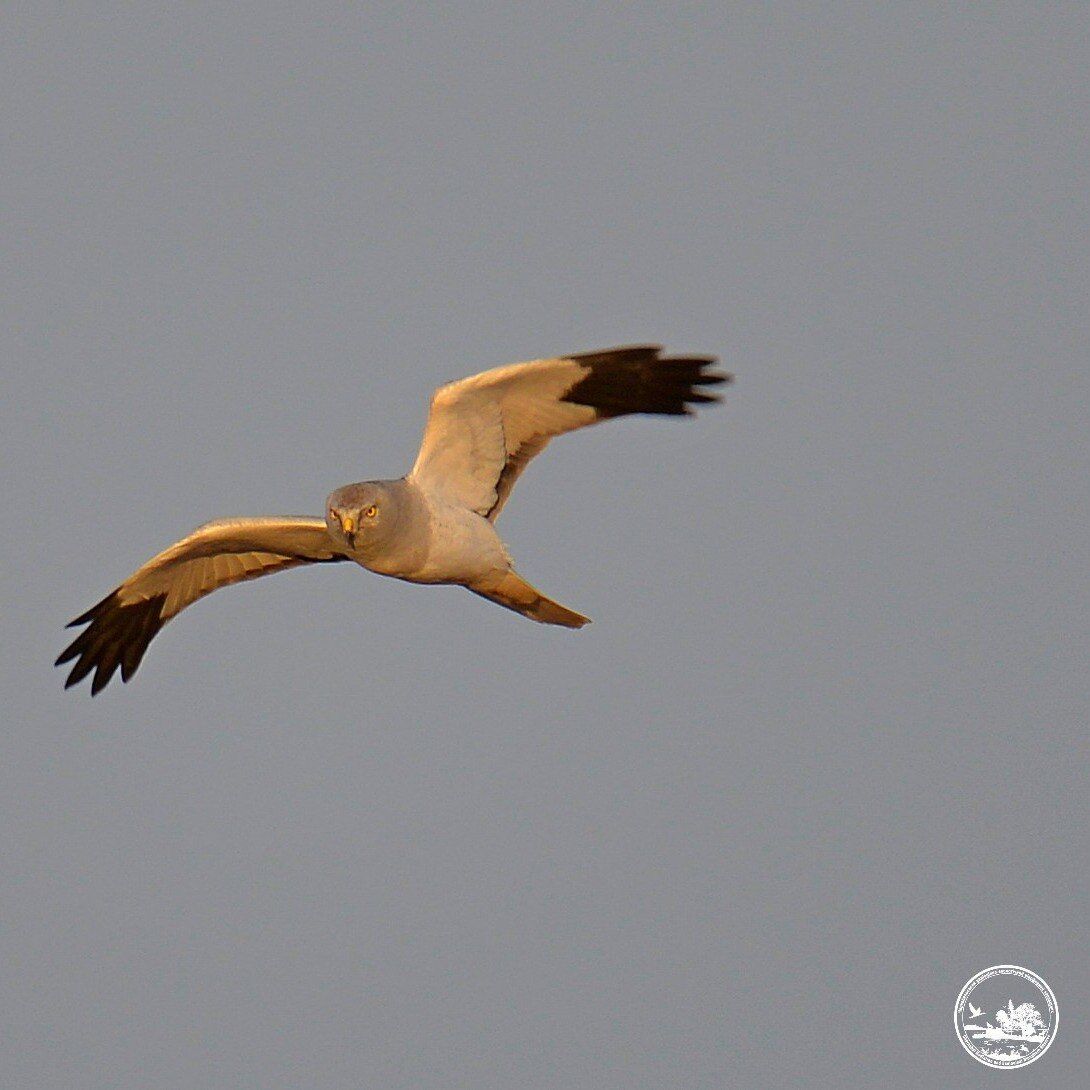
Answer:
(974, 1012)
(435, 525)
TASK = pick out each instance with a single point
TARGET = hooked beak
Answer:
(348, 526)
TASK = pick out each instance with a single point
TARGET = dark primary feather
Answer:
(117, 635)
(641, 380)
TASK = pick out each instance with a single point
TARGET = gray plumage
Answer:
(435, 525)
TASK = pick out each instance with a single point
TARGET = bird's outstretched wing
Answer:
(215, 555)
(483, 430)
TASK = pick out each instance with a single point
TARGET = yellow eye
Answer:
(371, 512)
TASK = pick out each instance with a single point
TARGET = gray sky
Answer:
(822, 756)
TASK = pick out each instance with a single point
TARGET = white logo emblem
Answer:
(1006, 1016)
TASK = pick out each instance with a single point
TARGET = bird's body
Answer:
(434, 541)
(435, 525)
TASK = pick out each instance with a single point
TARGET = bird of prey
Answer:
(435, 525)
(974, 1012)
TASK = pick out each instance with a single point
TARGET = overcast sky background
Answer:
(822, 756)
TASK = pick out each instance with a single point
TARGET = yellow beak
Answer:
(348, 524)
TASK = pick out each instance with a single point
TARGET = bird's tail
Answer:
(513, 592)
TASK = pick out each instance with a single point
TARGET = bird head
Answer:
(358, 512)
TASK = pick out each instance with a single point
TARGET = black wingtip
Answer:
(93, 612)
(639, 379)
(116, 637)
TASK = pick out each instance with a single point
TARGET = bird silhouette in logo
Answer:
(974, 1012)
